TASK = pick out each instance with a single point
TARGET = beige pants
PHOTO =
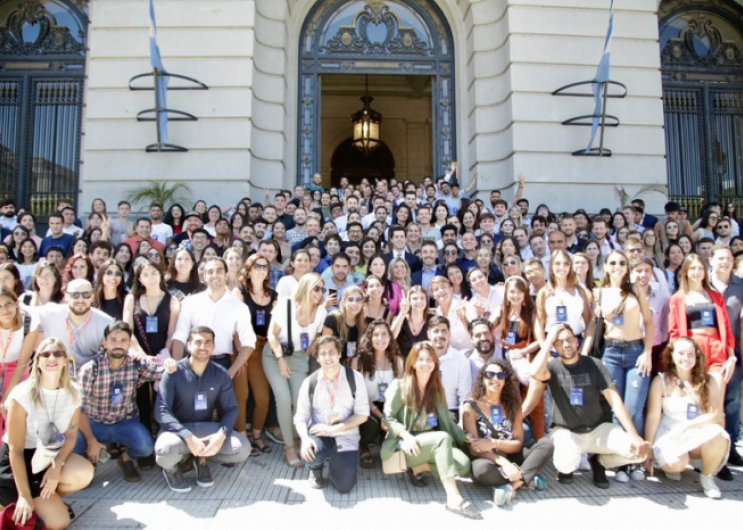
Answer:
(608, 440)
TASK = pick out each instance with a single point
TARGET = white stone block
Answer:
(172, 13)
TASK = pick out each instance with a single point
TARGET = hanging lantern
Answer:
(366, 124)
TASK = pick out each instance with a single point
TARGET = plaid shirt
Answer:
(276, 275)
(295, 235)
(97, 391)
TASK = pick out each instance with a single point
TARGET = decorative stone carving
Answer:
(700, 43)
(49, 38)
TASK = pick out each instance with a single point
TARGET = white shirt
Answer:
(161, 232)
(456, 376)
(279, 317)
(227, 316)
(459, 337)
(287, 286)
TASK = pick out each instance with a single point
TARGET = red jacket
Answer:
(678, 323)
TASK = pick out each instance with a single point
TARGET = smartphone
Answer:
(431, 303)
(332, 293)
(103, 456)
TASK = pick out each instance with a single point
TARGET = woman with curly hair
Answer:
(684, 417)
(77, 267)
(380, 362)
(494, 421)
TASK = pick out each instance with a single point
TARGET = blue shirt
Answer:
(65, 242)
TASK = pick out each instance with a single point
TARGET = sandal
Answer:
(367, 459)
(296, 463)
(417, 480)
(260, 444)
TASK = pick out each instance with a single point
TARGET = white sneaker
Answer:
(710, 488)
(637, 473)
(621, 476)
(673, 476)
(584, 464)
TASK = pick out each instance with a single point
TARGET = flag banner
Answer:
(161, 81)
(602, 76)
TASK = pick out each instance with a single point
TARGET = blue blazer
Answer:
(414, 262)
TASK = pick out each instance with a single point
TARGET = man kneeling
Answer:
(333, 402)
(185, 411)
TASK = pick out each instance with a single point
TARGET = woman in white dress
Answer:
(684, 417)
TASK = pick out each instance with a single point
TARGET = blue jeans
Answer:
(130, 433)
(732, 405)
(343, 466)
(632, 388)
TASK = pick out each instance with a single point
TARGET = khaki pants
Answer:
(608, 440)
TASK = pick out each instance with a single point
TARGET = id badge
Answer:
(562, 314)
(432, 420)
(708, 317)
(576, 397)
(260, 317)
(692, 411)
(618, 320)
(117, 394)
(151, 326)
(200, 401)
(511, 337)
(350, 349)
(333, 418)
(496, 414)
(73, 374)
(382, 390)
(304, 340)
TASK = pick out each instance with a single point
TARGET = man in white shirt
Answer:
(222, 312)
(121, 227)
(456, 375)
(160, 231)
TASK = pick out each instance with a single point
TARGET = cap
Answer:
(192, 214)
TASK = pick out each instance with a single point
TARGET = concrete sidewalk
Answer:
(264, 493)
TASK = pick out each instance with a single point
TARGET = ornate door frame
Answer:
(404, 37)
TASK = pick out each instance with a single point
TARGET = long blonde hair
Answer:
(303, 296)
(340, 314)
(65, 380)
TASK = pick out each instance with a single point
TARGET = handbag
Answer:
(288, 350)
(6, 520)
(397, 463)
(598, 333)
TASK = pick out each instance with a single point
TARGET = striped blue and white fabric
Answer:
(161, 82)
(602, 75)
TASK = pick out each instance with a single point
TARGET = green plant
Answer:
(162, 192)
(624, 197)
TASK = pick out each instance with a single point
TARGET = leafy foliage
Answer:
(163, 192)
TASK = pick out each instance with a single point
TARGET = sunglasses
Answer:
(621, 263)
(633, 250)
(56, 354)
(451, 252)
(109, 273)
(77, 296)
(354, 299)
(496, 375)
(319, 289)
(19, 233)
(512, 262)
(261, 267)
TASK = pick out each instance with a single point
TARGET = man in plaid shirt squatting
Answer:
(109, 408)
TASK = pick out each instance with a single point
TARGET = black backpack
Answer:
(316, 376)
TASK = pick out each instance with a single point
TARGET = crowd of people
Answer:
(385, 324)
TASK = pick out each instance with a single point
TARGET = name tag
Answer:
(692, 411)
(708, 317)
(350, 349)
(200, 401)
(260, 317)
(73, 374)
(151, 325)
(304, 340)
(496, 414)
(432, 420)
(382, 390)
(562, 314)
(576, 397)
(618, 320)
(117, 394)
(332, 418)
(511, 337)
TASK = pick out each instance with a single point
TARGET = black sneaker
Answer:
(129, 469)
(203, 473)
(725, 474)
(146, 463)
(186, 466)
(599, 473)
(418, 481)
(735, 459)
(316, 480)
(176, 482)
(565, 478)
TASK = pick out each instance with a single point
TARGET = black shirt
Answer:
(331, 322)
(588, 374)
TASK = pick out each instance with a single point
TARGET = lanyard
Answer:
(71, 334)
(334, 388)
(6, 346)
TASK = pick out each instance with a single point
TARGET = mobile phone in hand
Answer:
(103, 456)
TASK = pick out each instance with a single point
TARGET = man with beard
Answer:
(160, 231)
(79, 326)
(8, 219)
(456, 376)
(484, 341)
(193, 222)
(298, 233)
(108, 387)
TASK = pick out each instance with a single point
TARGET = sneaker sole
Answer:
(199, 483)
(177, 490)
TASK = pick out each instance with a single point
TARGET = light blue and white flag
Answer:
(161, 81)
(602, 75)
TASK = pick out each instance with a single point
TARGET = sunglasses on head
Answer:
(77, 296)
(496, 375)
(56, 354)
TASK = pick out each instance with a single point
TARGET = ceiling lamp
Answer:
(366, 124)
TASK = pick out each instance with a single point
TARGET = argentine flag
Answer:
(602, 75)
(161, 81)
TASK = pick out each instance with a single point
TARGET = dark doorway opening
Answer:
(350, 162)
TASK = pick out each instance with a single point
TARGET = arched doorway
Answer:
(702, 66)
(398, 37)
(351, 163)
(42, 71)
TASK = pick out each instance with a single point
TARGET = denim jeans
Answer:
(342, 466)
(130, 433)
(632, 388)
(732, 405)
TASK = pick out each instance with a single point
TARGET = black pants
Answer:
(371, 430)
(487, 473)
(343, 466)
